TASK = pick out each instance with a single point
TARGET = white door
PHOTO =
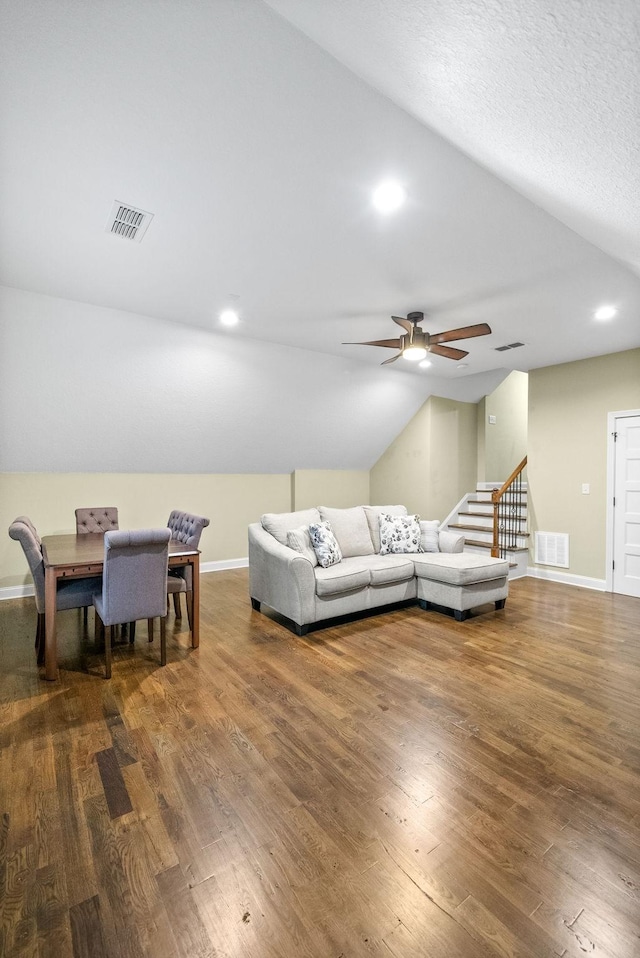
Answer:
(626, 511)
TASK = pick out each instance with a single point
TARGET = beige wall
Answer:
(230, 501)
(329, 487)
(503, 445)
(49, 499)
(568, 407)
(432, 462)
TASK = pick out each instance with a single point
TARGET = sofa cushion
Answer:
(351, 529)
(460, 568)
(347, 576)
(300, 540)
(325, 544)
(373, 520)
(429, 538)
(399, 534)
(385, 570)
(279, 523)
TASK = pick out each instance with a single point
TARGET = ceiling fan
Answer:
(414, 343)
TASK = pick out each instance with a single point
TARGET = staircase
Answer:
(474, 518)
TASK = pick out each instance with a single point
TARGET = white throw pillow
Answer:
(325, 544)
(429, 535)
(399, 534)
(300, 540)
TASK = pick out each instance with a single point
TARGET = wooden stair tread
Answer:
(485, 515)
(472, 528)
(477, 543)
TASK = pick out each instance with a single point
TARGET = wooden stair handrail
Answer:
(496, 496)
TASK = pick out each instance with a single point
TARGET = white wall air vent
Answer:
(552, 548)
(128, 222)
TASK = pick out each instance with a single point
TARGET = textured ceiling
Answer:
(545, 94)
(257, 148)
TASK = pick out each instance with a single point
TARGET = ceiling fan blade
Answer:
(449, 351)
(464, 332)
(392, 360)
(405, 323)
(391, 343)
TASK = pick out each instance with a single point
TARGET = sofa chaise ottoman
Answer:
(461, 582)
(284, 573)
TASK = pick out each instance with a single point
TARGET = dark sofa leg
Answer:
(255, 604)
(423, 604)
(461, 616)
(300, 629)
(500, 603)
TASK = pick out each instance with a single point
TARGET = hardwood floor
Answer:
(404, 785)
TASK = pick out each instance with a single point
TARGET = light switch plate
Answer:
(492, 420)
(585, 489)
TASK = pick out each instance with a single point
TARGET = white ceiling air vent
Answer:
(552, 548)
(128, 222)
(501, 349)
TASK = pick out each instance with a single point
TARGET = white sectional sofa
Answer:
(285, 576)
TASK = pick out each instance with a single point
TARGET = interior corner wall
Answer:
(505, 439)
(481, 470)
(568, 408)
(341, 488)
(432, 463)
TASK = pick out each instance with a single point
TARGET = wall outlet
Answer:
(492, 420)
(585, 489)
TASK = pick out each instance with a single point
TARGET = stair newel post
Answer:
(495, 551)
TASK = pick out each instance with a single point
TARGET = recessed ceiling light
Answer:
(425, 364)
(462, 365)
(229, 317)
(605, 312)
(388, 196)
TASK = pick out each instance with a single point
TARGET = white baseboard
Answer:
(22, 591)
(222, 564)
(568, 578)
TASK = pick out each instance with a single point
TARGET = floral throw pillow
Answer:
(325, 544)
(399, 534)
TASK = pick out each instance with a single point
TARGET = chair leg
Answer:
(40, 629)
(163, 640)
(85, 616)
(150, 629)
(132, 633)
(177, 608)
(190, 610)
(107, 651)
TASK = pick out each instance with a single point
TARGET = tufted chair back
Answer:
(99, 519)
(187, 528)
(24, 532)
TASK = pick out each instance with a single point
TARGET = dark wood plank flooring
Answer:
(404, 785)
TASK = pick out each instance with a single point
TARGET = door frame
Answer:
(611, 459)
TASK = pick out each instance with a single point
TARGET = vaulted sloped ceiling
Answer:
(255, 132)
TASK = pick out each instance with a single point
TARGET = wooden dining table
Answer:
(82, 556)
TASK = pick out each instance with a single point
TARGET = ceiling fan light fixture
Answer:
(414, 353)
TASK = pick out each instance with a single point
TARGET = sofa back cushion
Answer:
(280, 523)
(373, 520)
(351, 529)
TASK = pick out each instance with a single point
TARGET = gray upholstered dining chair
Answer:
(98, 519)
(134, 585)
(186, 528)
(71, 593)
